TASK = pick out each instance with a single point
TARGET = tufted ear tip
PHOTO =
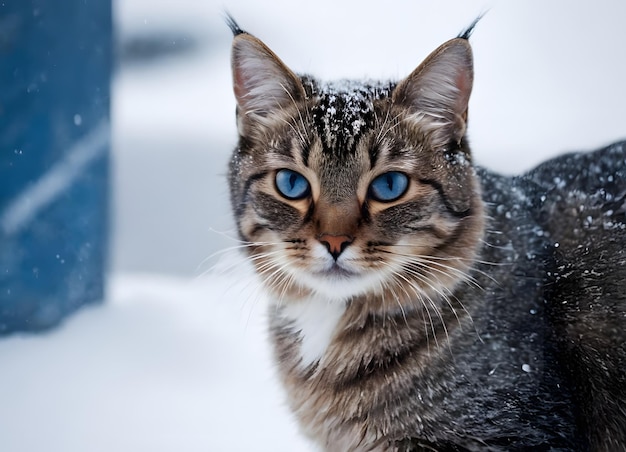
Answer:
(232, 24)
(467, 33)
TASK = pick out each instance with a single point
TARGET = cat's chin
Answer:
(338, 283)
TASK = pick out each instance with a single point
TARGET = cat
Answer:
(419, 302)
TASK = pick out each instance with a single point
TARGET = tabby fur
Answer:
(459, 316)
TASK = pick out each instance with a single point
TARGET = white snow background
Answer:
(175, 359)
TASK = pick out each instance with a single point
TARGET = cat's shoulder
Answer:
(603, 170)
(580, 196)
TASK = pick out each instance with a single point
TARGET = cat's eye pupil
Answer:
(389, 182)
(389, 186)
(292, 185)
(292, 180)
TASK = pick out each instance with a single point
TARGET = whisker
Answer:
(272, 277)
(435, 260)
(390, 129)
(456, 258)
(441, 269)
(497, 247)
(293, 128)
(220, 268)
(445, 297)
(400, 303)
(382, 127)
(242, 245)
(297, 132)
(420, 295)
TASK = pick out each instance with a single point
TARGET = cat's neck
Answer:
(314, 320)
(322, 332)
(341, 360)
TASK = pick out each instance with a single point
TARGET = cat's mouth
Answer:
(340, 282)
(338, 271)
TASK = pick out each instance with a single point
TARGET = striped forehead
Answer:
(343, 113)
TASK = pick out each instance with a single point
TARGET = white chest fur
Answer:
(315, 320)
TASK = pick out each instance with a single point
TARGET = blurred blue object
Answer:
(55, 69)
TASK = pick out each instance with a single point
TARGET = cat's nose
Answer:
(335, 243)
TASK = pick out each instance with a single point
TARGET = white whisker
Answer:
(399, 278)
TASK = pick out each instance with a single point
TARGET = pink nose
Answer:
(335, 243)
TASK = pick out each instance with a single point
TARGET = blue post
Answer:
(55, 66)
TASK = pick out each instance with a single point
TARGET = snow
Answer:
(167, 363)
(171, 361)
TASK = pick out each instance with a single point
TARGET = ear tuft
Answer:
(261, 81)
(232, 24)
(439, 89)
(467, 33)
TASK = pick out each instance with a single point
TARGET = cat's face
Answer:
(350, 189)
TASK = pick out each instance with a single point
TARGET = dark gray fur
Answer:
(556, 247)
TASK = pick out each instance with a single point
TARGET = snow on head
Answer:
(344, 110)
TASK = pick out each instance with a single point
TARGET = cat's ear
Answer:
(261, 81)
(438, 91)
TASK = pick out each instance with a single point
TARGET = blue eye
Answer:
(292, 185)
(389, 186)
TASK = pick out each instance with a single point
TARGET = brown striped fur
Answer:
(416, 323)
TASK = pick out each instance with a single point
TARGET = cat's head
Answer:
(345, 189)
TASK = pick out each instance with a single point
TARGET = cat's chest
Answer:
(314, 322)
